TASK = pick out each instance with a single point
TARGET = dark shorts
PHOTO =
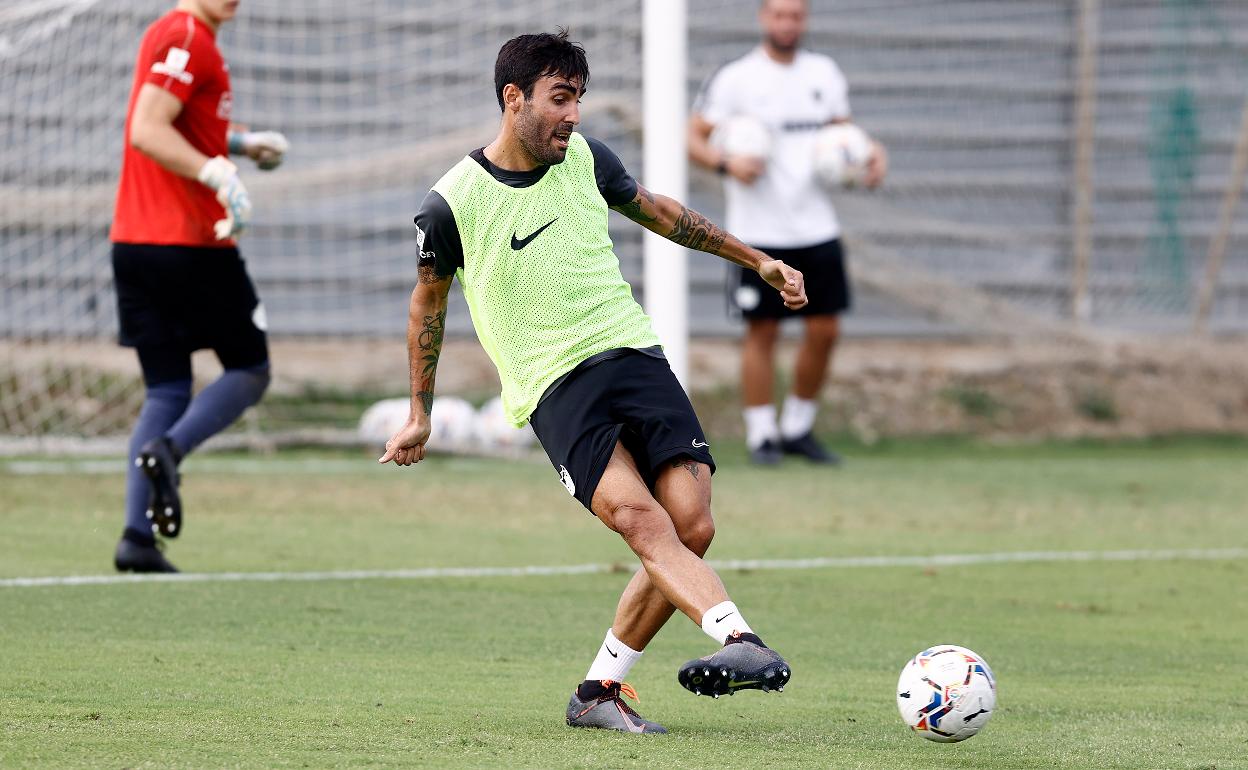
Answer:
(635, 399)
(172, 300)
(827, 287)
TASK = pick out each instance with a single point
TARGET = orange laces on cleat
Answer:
(625, 688)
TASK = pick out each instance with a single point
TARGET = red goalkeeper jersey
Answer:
(155, 206)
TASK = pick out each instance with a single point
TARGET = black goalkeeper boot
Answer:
(140, 552)
(158, 459)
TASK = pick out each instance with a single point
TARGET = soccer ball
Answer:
(452, 423)
(841, 154)
(742, 135)
(495, 431)
(946, 693)
(383, 419)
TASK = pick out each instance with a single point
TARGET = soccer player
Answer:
(522, 222)
(780, 208)
(181, 284)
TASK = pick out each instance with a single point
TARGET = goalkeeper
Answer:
(181, 284)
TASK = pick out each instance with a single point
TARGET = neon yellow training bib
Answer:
(542, 281)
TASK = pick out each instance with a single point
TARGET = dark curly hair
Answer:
(524, 60)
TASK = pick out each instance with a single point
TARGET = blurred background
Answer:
(1056, 252)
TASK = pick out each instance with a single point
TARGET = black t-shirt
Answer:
(440, 246)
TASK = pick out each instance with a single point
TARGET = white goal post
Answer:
(666, 170)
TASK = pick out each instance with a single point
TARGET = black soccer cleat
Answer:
(608, 711)
(806, 446)
(132, 555)
(158, 459)
(741, 664)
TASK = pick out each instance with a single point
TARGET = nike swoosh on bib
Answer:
(520, 243)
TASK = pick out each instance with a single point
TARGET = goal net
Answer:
(979, 103)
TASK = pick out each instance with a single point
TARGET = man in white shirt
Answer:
(778, 206)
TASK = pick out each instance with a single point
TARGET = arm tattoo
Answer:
(426, 400)
(426, 324)
(430, 342)
(697, 232)
(633, 209)
(427, 274)
(687, 464)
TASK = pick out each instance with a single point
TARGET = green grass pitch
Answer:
(1124, 664)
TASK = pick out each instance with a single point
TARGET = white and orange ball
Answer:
(946, 693)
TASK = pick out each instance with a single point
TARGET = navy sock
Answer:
(590, 689)
(163, 405)
(219, 405)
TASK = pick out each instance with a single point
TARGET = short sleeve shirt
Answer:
(786, 207)
(155, 206)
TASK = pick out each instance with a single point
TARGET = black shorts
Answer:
(823, 268)
(635, 399)
(172, 300)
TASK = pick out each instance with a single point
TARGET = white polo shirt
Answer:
(786, 207)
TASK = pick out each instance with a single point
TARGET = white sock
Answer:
(760, 425)
(722, 620)
(613, 661)
(798, 417)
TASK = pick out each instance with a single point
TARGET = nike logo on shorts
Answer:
(520, 243)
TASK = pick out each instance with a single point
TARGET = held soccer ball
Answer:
(841, 154)
(946, 693)
(743, 136)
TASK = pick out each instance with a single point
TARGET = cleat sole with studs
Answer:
(701, 680)
(164, 504)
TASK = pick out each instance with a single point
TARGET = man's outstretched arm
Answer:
(676, 222)
(426, 323)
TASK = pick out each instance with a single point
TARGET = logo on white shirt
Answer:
(174, 66)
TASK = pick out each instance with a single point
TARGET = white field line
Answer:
(841, 562)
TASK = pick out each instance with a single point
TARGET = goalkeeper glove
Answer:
(222, 176)
(266, 148)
